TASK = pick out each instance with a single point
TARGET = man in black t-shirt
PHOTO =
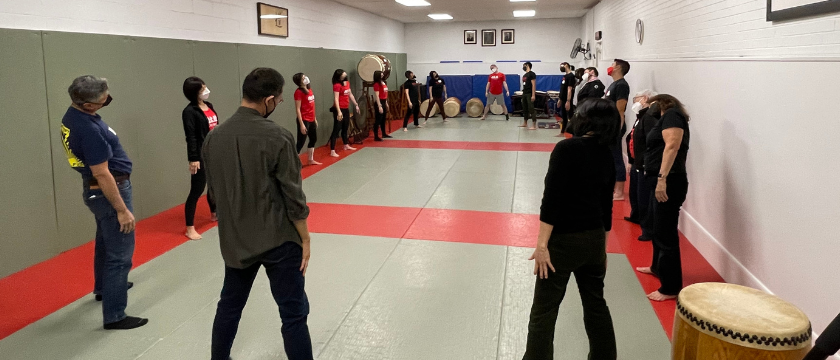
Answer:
(412, 95)
(529, 85)
(619, 93)
(567, 94)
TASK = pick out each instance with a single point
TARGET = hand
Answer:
(126, 219)
(340, 115)
(304, 264)
(661, 190)
(507, 93)
(410, 106)
(487, 95)
(357, 109)
(542, 263)
(316, 122)
(380, 109)
(302, 128)
(533, 98)
(194, 167)
(568, 105)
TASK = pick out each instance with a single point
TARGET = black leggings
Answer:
(413, 110)
(380, 118)
(340, 126)
(432, 102)
(197, 184)
(311, 133)
(667, 264)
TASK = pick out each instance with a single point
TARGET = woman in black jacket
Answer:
(199, 118)
(574, 227)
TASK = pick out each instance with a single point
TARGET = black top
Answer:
(90, 141)
(618, 90)
(413, 91)
(437, 87)
(579, 187)
(196, 128)
(644, 124)
(569, 81)
(527, 89)
(253, 173)
(656, 143)
(592, 89)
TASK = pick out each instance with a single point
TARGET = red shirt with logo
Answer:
(307, 104)
(343, 94)
(383, 90)
(496, 83)
(212, 118)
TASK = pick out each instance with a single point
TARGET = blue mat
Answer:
(459, 86)
(466, 87)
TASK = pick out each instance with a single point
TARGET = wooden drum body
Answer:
(731, 322)
(372, 63)
(425, 105)
(452, 107)
(475, 107)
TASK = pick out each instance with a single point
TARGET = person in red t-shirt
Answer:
(199, 119)
(306, 122)
(342, 95)
(495, 83)
(381, 90)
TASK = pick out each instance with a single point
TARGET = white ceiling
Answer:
(473, 10)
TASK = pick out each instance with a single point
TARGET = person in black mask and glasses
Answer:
(412, 95)
(529, 86)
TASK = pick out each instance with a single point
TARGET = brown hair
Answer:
(667, 102)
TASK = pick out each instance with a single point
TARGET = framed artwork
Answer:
(470, 37)
(780, 10)
(272, 20)
(508, 36)
(488, 37)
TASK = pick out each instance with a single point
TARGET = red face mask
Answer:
(610, 70)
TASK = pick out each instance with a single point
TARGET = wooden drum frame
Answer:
(475, 107)
(732, 322)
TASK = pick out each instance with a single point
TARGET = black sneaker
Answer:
(387, 136)
(377, 139)
(632, 220)
(99, 297)
(130, 322)
(644, 238)
(507, 117)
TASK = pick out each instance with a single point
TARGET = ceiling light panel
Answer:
(414, 2)
(440, 16)
(524, 13)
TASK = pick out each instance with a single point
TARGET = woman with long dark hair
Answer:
(307, 124)
(437, 93)
(342, 95)
(380, 88)
(574, 227)
(199, 119)
(666, 176)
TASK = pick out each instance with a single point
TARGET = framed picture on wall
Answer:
(470, 37)
(272, 20)
(507, 36)
(780, 10)
(488, 37)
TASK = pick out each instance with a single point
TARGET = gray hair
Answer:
(87, 89)
(648, 93)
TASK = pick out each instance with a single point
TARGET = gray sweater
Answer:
(253, 173)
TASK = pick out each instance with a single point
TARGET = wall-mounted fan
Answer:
(578, 48)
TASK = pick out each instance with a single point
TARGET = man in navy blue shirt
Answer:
(93, 149)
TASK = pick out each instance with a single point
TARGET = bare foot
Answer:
(644, 270)
(213, 217)
(348, 147)
(405, 129)
(482, 119)
(532, 128)
(618, 198)
(559, 135)
(657, 296)
(313, 162)
(523, 125)
(192, 234)
(333, 154)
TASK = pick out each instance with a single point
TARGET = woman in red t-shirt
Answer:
(199, 118)
(306, 123)
(381, 90)
(341, 110)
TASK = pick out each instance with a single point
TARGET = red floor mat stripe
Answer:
(464, 145)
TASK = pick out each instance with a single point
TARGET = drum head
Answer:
(452, 107)
(496, 109)
(370, 64)
(744, 316)
(425, 105)
(475, 107)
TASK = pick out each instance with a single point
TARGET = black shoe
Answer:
(99, 297)
(377, 139)
(387, 136)
(645, 238)
(507, 117)
(130, 322)
(632, 220)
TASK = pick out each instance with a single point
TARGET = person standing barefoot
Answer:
(199, 118)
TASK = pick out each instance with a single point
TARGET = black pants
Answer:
(583, 254)
(634, 194)
(311, 133)
(340, 127)
(282, 266)
(667, 264)
(413, 110)
(566, 115)
(432, 102)
(381, 117)
(643, 192)
(197, 184)
(828, 343)
(528, 111)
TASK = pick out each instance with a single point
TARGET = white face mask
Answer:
(206, 94)
(637, 107)
(306, 80)
(494, 70)
(585, 77)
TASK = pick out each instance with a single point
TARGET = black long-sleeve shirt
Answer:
(196, 128)
(253, 173)
(579, 187)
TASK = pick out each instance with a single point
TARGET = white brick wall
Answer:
(313, 23)
(762, 205)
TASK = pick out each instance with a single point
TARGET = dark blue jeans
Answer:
(282, 266)
(114, 250)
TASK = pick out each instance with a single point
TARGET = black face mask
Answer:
(524, 68)
(268, 113)
(107, 101)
